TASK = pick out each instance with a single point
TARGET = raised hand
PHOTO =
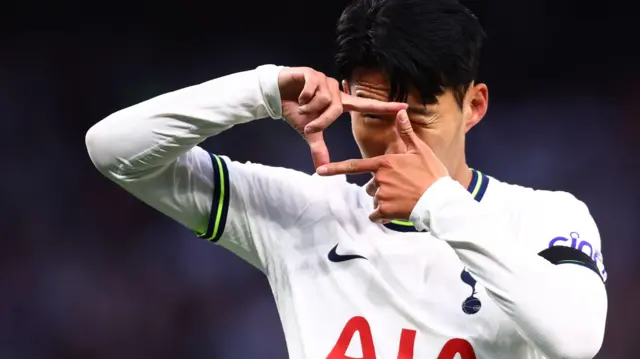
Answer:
(311, 101)
(399, 179)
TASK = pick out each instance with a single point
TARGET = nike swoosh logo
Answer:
(337, 258)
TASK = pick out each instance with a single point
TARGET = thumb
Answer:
(405, 130)
(319, 151)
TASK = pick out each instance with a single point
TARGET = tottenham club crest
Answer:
(471, 305)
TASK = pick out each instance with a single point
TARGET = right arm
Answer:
(150, 149)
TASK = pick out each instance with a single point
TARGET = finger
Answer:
(405, 130)
(331, 113)
(319, 150)
(396, 148)
(361, 104)
(376, 216)
(309, 89)
(318, 104)
(350, 167)
(371, 187)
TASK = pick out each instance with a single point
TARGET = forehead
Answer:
(373, 83)
(366, 81)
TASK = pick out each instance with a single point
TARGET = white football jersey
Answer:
(349, 288)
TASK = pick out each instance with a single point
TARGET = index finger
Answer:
(364, 165)
(361, 104)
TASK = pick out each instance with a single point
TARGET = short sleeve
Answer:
(563, 231)
(258, 210)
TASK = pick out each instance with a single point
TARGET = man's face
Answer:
(441, 125)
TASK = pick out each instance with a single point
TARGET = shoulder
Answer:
(544, 219)
(281, 178)
(286, 190)
(560, 218)
(534, 205)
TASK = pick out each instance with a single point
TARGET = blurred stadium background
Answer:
(86, 271)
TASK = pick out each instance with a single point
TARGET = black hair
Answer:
(432, 45)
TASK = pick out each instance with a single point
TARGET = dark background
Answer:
(88, 272)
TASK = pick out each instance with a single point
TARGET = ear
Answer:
(478, 101)
(345, 87)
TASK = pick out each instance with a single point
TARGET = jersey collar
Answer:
(477, 188)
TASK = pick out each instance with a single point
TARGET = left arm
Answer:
(562, 308)
(558, 306)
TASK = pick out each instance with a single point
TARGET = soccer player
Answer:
(431, 259)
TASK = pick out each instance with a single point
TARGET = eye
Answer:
(375, 119)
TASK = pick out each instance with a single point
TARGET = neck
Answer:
(462, 174)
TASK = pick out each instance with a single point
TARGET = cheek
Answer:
(443, 138)
(452, 140)
(433, 138)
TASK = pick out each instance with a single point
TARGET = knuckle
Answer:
(333, 83)
(351, 165)
(306, 72)
(337, 108)
(385, 162)
(313, 75)
(383, 207)
(381, 193)
(315, 146)
(319, 76)
(315, 126)
(324, 98)
(406, 130)
(372, 188)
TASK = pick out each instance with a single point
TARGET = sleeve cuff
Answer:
(219, 202)
(268, 77)
(435, 202)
